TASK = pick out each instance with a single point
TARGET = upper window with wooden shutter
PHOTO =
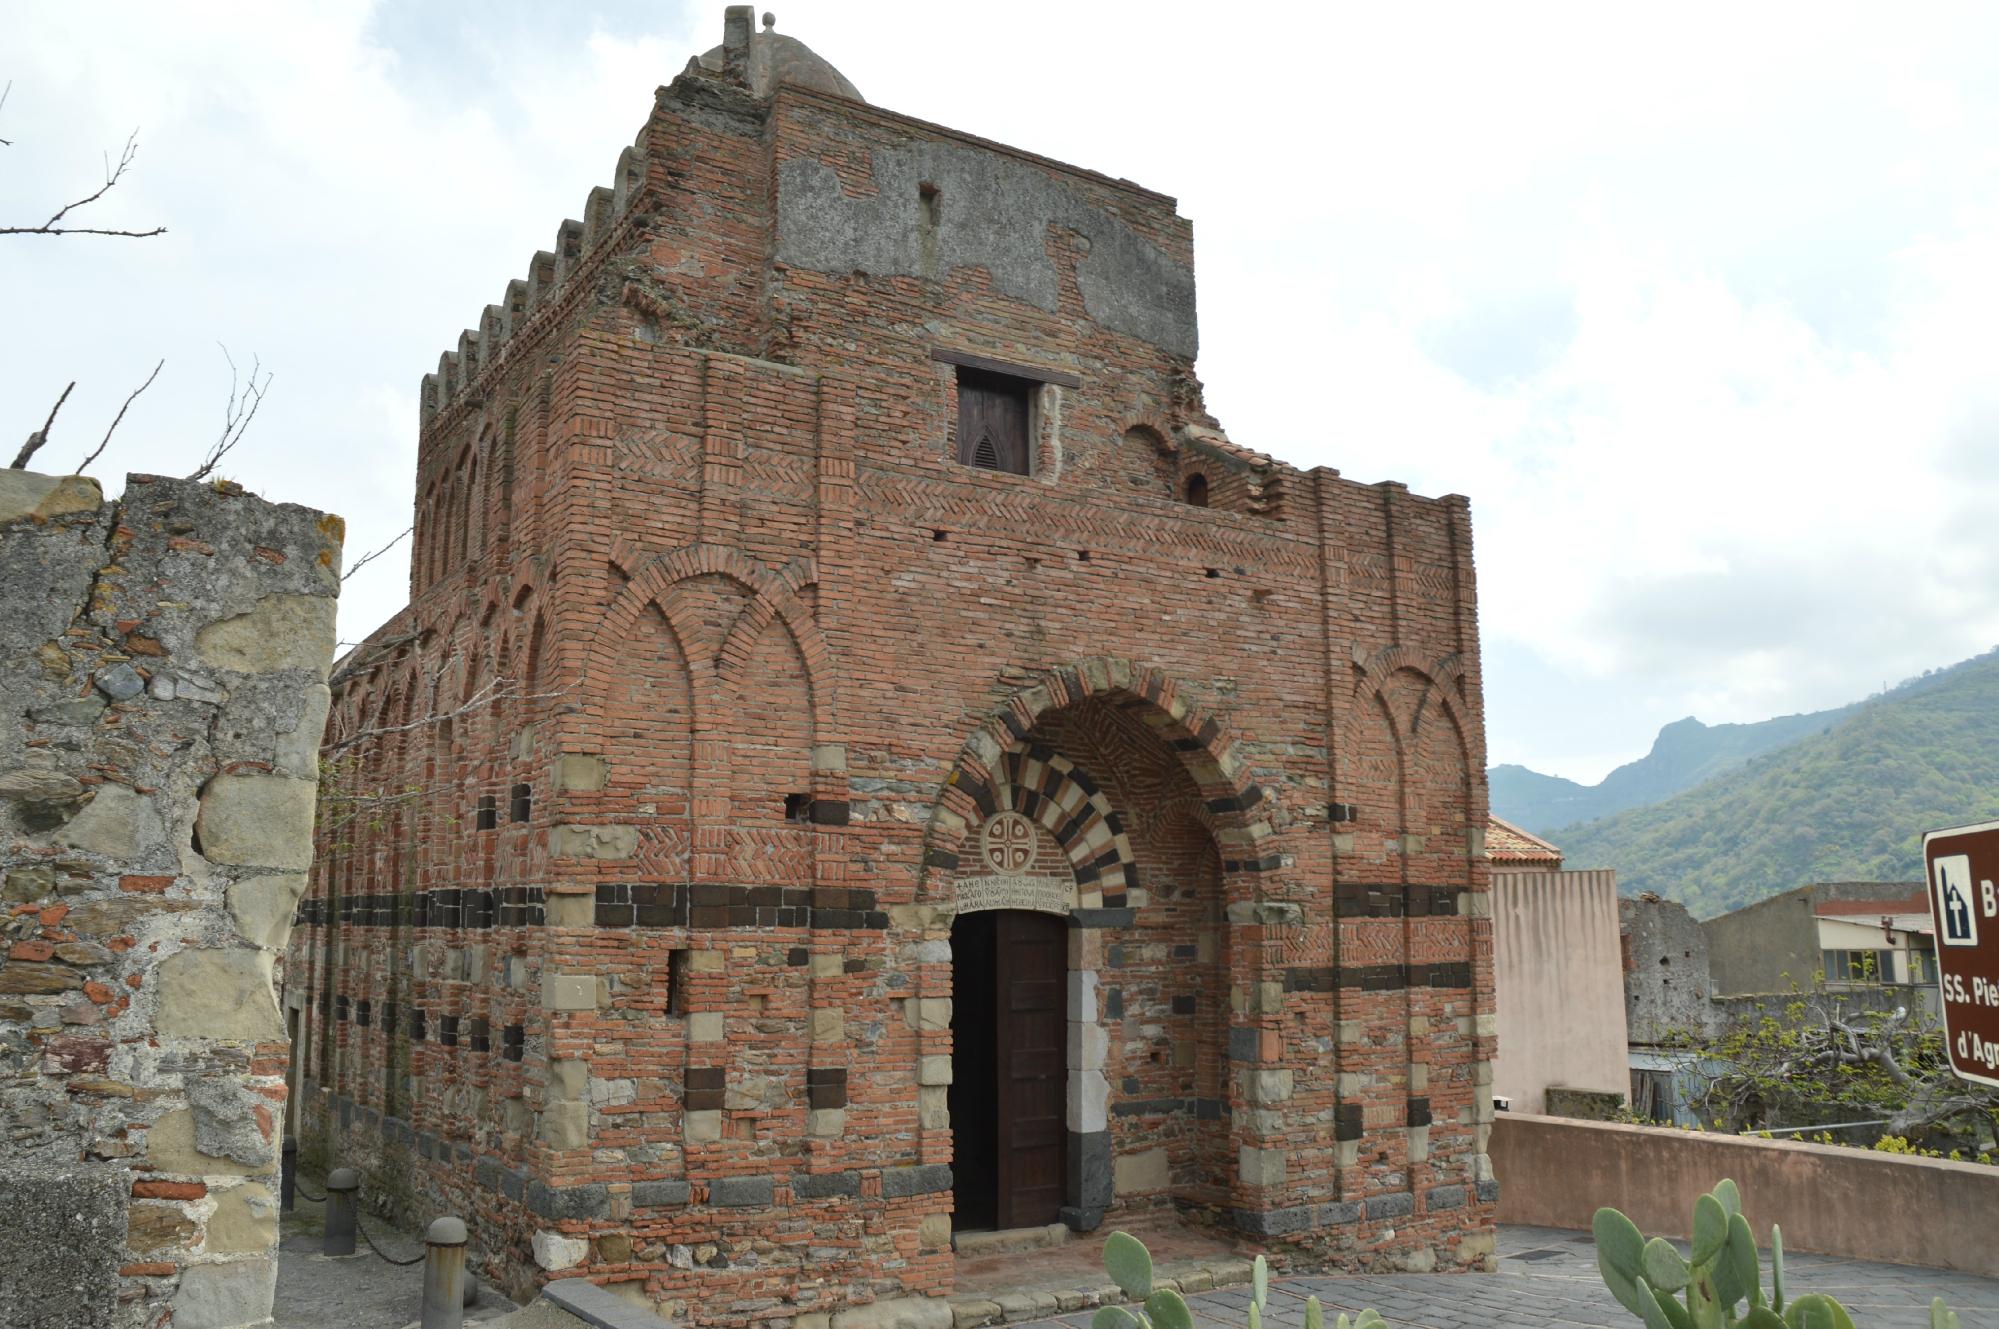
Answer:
(994, 420)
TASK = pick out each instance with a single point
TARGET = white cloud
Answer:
(327, 210)
(1692, 303)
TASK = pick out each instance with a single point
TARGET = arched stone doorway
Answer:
(1094, 806)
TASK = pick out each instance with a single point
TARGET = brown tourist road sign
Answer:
(1962, 866)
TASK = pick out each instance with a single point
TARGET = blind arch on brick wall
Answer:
(1444, 677)
(1421, 705)
(525, 593)
(1440, 785)
(771, 596)
(769, 622)
(970, 791)
(1407, 751)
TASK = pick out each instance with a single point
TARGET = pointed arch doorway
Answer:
(1009, 1028)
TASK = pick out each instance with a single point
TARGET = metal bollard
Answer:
(444, 1274)
(288, 1176)
(341, 1189)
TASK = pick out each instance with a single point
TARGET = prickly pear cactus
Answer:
(1130, 1266)
(1718, 1284)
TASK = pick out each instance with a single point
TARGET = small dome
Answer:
(776, 59)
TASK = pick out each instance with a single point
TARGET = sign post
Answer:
(1962, 868)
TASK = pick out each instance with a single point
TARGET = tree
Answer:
(1822, 1057)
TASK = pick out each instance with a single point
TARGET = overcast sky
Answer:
(1696, 303)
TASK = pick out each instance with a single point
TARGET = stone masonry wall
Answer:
(1667, 991)
(163, 664)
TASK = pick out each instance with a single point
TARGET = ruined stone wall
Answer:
(163, 660)
(1667, 990)
(772, 657)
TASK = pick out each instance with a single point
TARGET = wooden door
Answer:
(1030, 970)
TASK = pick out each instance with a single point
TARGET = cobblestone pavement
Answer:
(1548, 1277)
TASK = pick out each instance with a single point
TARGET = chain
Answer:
(417, 1259)
(359, 1227)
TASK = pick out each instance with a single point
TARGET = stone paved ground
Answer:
(358, 1291)
(1548, 1277)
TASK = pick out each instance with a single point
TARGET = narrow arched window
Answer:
(1197, 490)
(468, 483)
(440, 531)
(995, 421)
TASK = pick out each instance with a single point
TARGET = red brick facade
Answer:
(747, 663)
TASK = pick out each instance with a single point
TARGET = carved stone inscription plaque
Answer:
(1047, 895)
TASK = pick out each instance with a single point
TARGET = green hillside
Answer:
(1685, 753)
(1846, 805)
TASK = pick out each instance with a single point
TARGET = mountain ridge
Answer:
(1683, 754)
(1849, 800)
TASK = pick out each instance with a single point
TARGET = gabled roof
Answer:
(1507, 843)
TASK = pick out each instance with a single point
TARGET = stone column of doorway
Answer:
(1090, 1158)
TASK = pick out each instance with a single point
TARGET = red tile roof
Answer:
(1507, 843)
(1914, 904)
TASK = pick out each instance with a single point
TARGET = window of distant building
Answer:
(1197, 490)
(1857, 967)
(995, 413)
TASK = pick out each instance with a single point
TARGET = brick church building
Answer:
(866, 757)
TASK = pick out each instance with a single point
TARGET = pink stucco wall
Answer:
(1556, 1172)
(1559, 975)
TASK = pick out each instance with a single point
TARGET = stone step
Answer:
(976, 1244)
(977, 1309)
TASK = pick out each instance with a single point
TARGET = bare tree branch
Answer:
(355, 668)
(112, 174)
(116, 419)
(6, 142)
(83, 230)
(244, 399)
(347, 798)
(491, 694)
(374, 554)
(341, 809)
(40, 436)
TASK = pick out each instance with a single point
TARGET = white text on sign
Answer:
(1982, 1051)
(1978, 992)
